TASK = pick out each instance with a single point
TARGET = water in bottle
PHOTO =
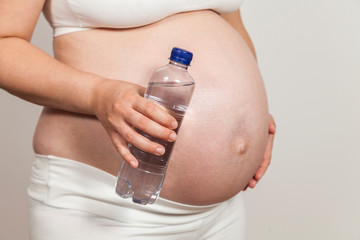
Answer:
(171, 87)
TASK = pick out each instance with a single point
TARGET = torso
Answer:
(223, 136)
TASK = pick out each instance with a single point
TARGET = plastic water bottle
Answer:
(172, 87)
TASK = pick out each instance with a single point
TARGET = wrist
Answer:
(94, 93)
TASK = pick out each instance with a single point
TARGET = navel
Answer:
(240, 146)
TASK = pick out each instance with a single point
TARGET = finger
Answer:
(267, 154)
(155, 112)
(252, 183)
(267, 158)
(147, 125)
(139, 141)
(261, 171)
(272, 125)
(121, 146)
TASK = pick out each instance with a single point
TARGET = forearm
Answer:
(33, 75)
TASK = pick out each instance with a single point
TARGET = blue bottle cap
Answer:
(181, 56)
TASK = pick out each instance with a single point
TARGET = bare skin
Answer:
(95, 95)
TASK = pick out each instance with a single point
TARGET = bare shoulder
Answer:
(19, 17)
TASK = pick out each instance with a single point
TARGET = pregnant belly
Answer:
(224, 132)
(221, 142)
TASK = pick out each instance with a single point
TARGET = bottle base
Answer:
(124, 190)
(139, 184)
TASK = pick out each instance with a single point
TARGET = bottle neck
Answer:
(179, 65)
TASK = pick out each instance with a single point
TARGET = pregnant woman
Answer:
(92, 93)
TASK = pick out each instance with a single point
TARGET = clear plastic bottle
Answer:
(172, 87)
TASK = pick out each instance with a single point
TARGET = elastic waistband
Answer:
(65, 183)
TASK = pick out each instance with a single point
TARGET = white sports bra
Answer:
(67, 16)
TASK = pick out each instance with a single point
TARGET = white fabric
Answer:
(71, 200)
(66, 16)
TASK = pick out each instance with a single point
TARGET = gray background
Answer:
(309, 55)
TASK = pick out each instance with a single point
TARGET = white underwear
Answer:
(71, 200)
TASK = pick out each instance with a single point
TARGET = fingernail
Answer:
(172, 137)
(174, 125)
(133, 164)
(160, 151)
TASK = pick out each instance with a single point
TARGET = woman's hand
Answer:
(119, 105)
(267, 155)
